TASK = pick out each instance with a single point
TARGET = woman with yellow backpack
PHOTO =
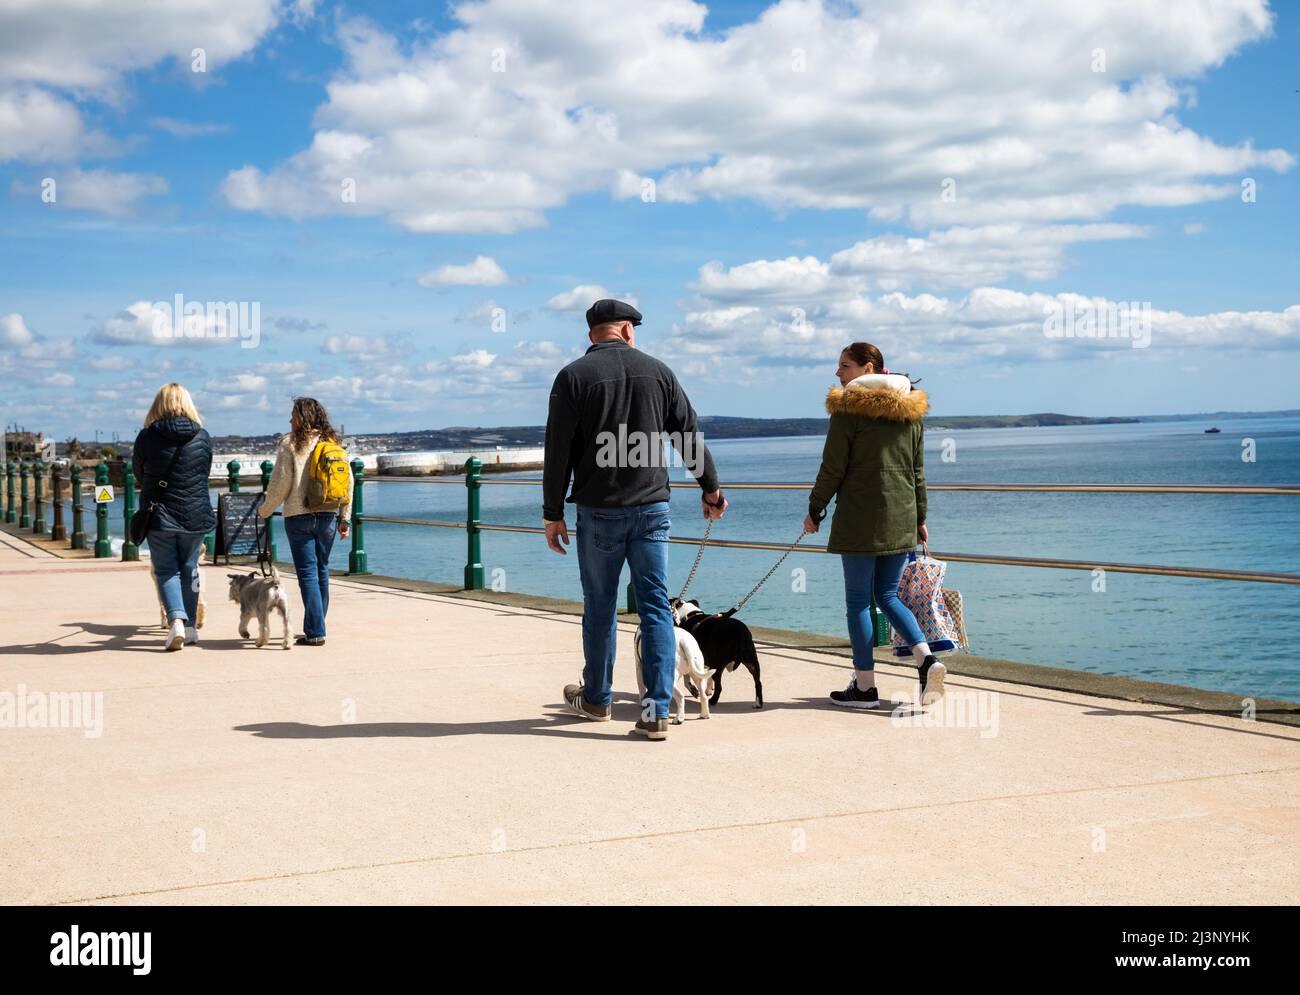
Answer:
(313, 480)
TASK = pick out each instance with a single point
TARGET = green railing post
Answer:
(880, 624)
(631, 599)
(78, 527)
(58, 533)
(474, 562)
(267, 467)
(232, 476)
(11, 512)
(25, 517)
(103, 547)
(357, 557)
(130, 551)
(38, 515)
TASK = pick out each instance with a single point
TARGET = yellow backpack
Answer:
(327, 486)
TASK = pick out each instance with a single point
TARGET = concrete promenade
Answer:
(423, 756)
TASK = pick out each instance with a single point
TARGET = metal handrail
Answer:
(474, 526)
(1151, 569)
(1069, 488)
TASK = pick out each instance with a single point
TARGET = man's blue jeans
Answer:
(607, 537)
(175, 560)
(862, 575)
(311, 537)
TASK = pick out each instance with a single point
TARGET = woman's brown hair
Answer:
(310, 416)
(863, 353)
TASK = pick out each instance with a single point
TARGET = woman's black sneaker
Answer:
(932, 674)
(852, 697)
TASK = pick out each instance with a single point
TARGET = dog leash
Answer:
(264, 564)
(696, 565)
(741, 603)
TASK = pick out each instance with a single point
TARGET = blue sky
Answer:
(799, 154)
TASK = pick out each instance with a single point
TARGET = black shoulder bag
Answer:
(141, 520)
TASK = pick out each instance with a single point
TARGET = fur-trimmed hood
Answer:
(878, 402)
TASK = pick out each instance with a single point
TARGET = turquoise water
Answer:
(1220, 635)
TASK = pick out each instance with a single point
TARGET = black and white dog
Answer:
(725, 642)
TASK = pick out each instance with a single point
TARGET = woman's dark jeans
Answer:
(311, 537)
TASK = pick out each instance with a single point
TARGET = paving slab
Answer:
(423, 755)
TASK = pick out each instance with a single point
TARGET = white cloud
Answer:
(886, 103)
(14, 332)
(47, 352)
(792, 277)
(583, 296)
(87, 49)
(37, 126)
(90, 46)
(1193, 228)
(98, 190)
(135, 325)
(987, 324)
(59, 380)
(363, 348)
(475, 358)
(482, 272)
(241, 383)
(961, 257)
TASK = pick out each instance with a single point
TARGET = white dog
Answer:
(259, 595)
(690, 663)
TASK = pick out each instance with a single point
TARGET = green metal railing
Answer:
(19, 508)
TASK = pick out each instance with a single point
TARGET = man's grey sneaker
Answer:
(932, 674)
(581, 706)
(652, 728)
(852, 697)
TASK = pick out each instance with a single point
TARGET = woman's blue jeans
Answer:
(175, 560)
(311, 537)
(862, 575)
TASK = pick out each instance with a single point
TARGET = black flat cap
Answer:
(603, 312)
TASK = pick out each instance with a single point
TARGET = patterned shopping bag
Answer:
(921, 589)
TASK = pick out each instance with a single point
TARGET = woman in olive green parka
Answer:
(873, 466)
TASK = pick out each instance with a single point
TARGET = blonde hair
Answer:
(172, 401)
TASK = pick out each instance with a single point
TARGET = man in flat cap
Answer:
(611, 412)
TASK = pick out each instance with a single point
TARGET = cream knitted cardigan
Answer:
(290, 477)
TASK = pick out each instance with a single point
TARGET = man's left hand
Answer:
(714, 504)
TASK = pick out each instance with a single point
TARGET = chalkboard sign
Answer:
(239, 527)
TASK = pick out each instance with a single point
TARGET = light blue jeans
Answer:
(862, 575)
(607, 538)
(175, 560)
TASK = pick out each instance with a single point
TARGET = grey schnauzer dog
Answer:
(258, 595)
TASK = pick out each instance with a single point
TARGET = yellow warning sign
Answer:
(103, 494)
